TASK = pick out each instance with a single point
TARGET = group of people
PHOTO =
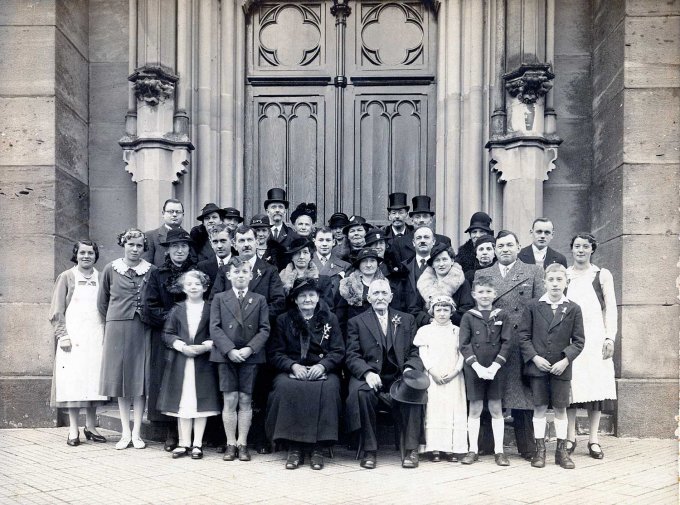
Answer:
(286, 331)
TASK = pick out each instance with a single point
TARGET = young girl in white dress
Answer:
(446, 410)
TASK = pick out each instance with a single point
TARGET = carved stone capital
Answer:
(529, 82)
(523, 158)
(161, 159)
(153, 84)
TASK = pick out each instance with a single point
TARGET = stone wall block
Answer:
(607, 206)
(652, 125)
(556, 199)
(71, 142)
(652, 52)
(72, 215)
(29, 138)
(26, 403)
(575, 35)
(109, 90)
(27, 63)
(27, 195)
(109, 31)
(72, 19)
(608, 137)
(116, 210)
(23, 13)
(106, 155)
(652, 7)
(26, 278)
(19, 321)
(607, 14)
(650, 263)
(608, 74)
(71, 83)
(575, 158)
(573, 98)
(647, 408)
(652, 199)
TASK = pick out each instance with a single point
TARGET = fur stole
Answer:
(312, 329)
(290, 273)
(174, 272)
(429, 285)
(466, 256)
(352, 287)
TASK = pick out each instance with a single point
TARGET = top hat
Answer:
(209, 209)
(298, 244)
(480, 221)
(366, 252)
(421, 205)
(397, 201)
(276, 195)
(437, 249)
(232, 212)
(260, 221)
(303, 284)
(374, 235)
(304, 209)
(485, 239)
(338, 220)
(356, 221)
(411, 388)
(176, 235)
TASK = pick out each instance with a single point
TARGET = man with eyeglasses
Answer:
(172, 215)
(539, 252)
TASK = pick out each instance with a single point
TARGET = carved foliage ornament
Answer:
(153, 85)
(529, 82)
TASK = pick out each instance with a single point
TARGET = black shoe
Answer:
(435, 457)
(73, 442)
(93, 436)
(538, 460)
(470, 458)
(594, 454)
(179, 452)
(411, 459)
(369, 460)
(243, 454)
(501, 459)
(316, 461)
(562, 456)
(294, 459)
(170, 444)
(229, 453)
(220, 449)
(451, 457)
(197, 452)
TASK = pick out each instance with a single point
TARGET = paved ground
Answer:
(37, 467)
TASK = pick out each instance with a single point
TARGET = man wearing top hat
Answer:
(380, 354)
(402, 248)
(275, 206)
(173, 216)
(211, 215)
(397, 212)
(480, 224)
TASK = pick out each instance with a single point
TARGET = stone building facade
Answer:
(563, 108)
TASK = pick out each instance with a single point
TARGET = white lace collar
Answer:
(122, 268)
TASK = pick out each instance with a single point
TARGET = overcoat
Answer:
(526, 255)
(155, 254)
(202, 247)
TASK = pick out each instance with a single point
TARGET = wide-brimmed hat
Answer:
(276, 195)
(411, 388)
(298, 244)
(304, 284)
(397, 201)
(304, 209)
(177, 235)
(356, 221)
(375, 235)
(480, 221)
(233, 213)
(421, 205)
(366, 252)
(209, 209)
(437, 249)
(338, 220)
(484, 239)
(260, 221)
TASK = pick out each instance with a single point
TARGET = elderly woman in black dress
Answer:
(306, 348)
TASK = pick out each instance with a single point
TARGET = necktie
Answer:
(241, 294)
(423, 263)
(276, 233)
(504, 270)
(323, 260)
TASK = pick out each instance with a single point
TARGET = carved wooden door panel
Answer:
(344, 139)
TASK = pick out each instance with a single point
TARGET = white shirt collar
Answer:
(506, 268)
(252, 261)
(539, 253)
(321, 256)
(546, 299)
(223, 260)
(237, 290)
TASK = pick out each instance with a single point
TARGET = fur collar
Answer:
(175, 272)
(352, 287)
(290, 273)
(306, 330)
(429, 285)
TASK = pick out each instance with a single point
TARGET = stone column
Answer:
(154, 152)
(524, 152)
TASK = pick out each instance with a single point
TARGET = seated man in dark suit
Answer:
(379, 350)
(539, 253)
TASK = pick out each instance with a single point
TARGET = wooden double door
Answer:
(340, 114)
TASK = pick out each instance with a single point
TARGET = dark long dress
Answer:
(298, 410)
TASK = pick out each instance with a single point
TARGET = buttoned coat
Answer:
(551, 336)
(485, 341)
(234, 325)
(365, 352)
(526, 255)
(514, 292)
(335, 268)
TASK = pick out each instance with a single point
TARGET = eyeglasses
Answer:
(176, 212)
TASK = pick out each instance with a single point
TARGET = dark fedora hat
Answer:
(436, 251)
(480, 221)
(177, 235)
(305, 284)
(421, 205)
(232, 212)
(209, 209)
(411, 388)
(397, 201)
(338, 220)
(260, 221)
(298, 244)
(366, 252)
(356, 221)
(275, 195)
(375, 235)
(304, 209)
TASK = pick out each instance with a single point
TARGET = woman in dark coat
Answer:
(306, 348)
(160, 296)
(300, 266)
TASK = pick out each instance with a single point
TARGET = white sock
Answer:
(245, 417)
(473, 433)
(498, 427)
(561, 428)
(539, 427)
(229, 419)
(184, 431)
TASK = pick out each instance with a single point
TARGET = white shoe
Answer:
(138, 443)
(124, 442)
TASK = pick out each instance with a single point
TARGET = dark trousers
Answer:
(408, 419)
(524, 431)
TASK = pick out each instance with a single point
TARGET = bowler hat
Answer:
(485, 239)
(303, 284)
(411, 388)
(437, 249)
(480, 221)
(375, 235)
(338, 220)
(176, 235)
(397, 201)
(366, 252)
(304, 209)
(421, 205)
(260, 221)
(233, 213)
(209, 209)
(275, 195)
(298, 244)
(356, 221)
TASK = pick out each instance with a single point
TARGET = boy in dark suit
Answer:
(239, 327)
(550, 337)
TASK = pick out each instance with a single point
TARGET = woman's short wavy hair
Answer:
(89, 243)
(585, 236)
(132, 233)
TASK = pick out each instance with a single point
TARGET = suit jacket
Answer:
(551, 336)
(402, 250)
(485, 341)
(234, 326)
(551, 256)
(209, 267)
(286, 236)
(334, 268)
(410, 298)
(389, 233)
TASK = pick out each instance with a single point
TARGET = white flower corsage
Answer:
(396, 321)
(326, 332)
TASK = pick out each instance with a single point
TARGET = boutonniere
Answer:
(332, 266)
(564, 312)
(250, 300)
(259, 273)
(396, 321)
(326, 332)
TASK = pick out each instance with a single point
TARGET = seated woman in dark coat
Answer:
(300, 266)
(306, 348)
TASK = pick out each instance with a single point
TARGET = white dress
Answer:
(446, 410)
(592, 377)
